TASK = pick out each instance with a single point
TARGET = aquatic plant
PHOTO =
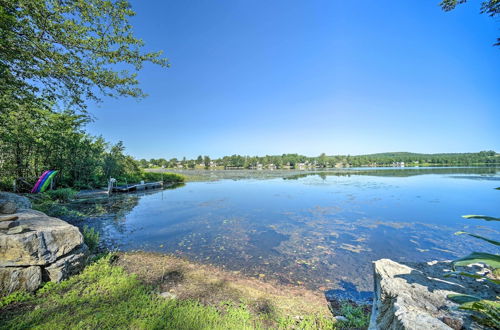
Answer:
(91, 238)
(487, 311)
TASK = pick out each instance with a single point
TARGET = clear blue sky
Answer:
(293, 76)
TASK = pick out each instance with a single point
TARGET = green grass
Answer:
(357, 318)
(104, 296)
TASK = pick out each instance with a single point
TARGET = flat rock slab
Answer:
(41, 241)
(414, 296)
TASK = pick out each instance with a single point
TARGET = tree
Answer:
(70, 50)
(489, 7)
(206, 160)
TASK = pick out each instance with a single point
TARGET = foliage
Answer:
(166, 177)
(55, 55)
(61, 195)
(34, 140)
(489, 7)
(488, 312)
(105, 296)
(481, 217)
(91, 238)
(477, 236)
(68, 50)
(324, 161)
(15, 297)
(357, 318)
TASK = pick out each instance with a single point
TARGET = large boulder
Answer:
(19, 278)
(41, 240)
(67, 266)
(35, 247)
(414, 296)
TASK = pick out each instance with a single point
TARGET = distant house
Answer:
(259, 166)
(398, 164)
(300, 166)
(271, 167)
(287, 166)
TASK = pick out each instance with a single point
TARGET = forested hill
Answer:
(324, 161)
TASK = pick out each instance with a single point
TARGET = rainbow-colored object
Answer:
(44, 181)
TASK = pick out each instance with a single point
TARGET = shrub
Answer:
(61, 195)
(91, 238)
(167, 177)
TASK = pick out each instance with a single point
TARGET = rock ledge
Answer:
(413, 296)
(35, 247)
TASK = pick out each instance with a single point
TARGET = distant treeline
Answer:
(285, 161)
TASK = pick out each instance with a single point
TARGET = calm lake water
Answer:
(320, 230)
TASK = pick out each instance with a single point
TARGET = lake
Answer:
(317, 229)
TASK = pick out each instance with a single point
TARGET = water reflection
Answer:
(322, 231)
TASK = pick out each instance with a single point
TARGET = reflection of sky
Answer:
(311, 230)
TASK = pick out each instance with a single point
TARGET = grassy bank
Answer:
(118, 291)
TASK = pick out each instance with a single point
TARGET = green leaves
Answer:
(69, 50)
(480, 237)
(492, 260)
(488, 309)
(462, 298)
(481, 217)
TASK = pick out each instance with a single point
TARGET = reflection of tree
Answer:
(404, 172)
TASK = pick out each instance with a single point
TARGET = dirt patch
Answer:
(211, 285)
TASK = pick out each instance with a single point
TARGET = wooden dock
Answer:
(138, 187)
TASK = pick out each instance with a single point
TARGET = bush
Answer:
(167, 177)
(60, 195)
(91, 238)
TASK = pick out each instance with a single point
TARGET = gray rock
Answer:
(414, 296)
(68, 265)
(8, 207)
(36, 247)
(14, 202)
(341, 318)
(8, 218)
(17, 229)
(8, 224)
(46, 240)
(19, 278)
(168, 295)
